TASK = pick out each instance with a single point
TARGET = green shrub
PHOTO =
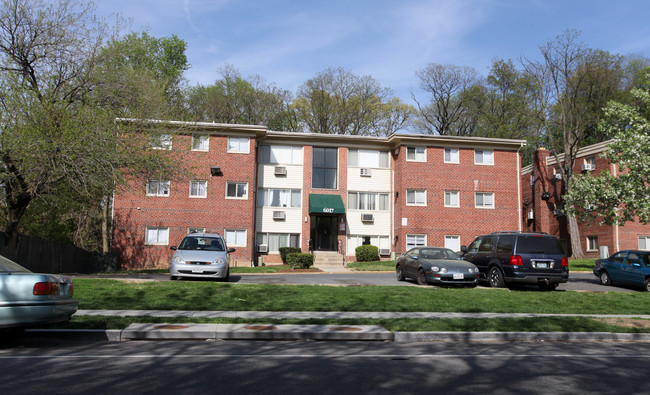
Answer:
(299, 260)
(366, 253)
(284, 251)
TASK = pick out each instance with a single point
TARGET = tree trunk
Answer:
(574, 234)
(105, 237)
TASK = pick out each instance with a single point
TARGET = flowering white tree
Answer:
(623, 195)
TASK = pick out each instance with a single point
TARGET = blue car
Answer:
(631, 267)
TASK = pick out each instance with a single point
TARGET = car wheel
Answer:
(604, 278)
(421, 278)
(547, 287)
(646, 285)
(495, 278)
(173, 278)
(400, 275)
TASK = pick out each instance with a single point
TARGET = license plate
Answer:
(459, 276)
(542, 265)
(197, 270)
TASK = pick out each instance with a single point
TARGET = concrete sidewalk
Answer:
(349, 332)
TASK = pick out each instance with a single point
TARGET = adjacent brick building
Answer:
(263, 190)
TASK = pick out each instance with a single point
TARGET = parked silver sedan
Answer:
(32, 299)
(202, 255)
(436, 265)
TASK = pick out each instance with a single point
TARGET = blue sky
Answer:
(289, 41)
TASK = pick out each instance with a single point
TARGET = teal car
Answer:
(30, 299)
(630, 267)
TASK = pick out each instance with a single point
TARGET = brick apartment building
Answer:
(542, 204)
(263, 190)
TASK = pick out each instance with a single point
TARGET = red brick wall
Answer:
(134, 211)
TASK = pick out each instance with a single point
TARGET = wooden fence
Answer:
(47, 256)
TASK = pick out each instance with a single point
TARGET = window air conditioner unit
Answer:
(280, 171)
(557, 176)
(279, 215)
(365, 172)
(384, 251)
(531, 215)
(587, 167)
(262, 248)
(367, 218)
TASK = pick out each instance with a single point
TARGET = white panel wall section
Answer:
(379, 180)
(268, 179)
(291, 224)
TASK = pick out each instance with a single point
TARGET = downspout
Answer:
(616, 224)
(519, 218)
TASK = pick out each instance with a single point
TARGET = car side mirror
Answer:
(414, 257)
(636, 264)
(463, 248)
(231, 250)
(172, 248)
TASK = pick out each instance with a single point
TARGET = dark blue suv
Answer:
(515, 257)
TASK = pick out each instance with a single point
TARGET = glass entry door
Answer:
(323, 232)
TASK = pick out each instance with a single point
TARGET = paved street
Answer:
(190, 367)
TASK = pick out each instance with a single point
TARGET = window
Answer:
(324, 168)
(195, 230)
(368, 201)
(157, 235)
(237, 190)
(235, 237)
(276, 240)
(484, 200)
(413, 241)
(452, 199)
(161, 141)
(200, 142)
(451, 155)
(368, 158)
(416, 197)
(382, 242)
(416, 154)
(238, 145)
(452, 242)
(592, 243)
(589, 163)
(281, 154)
(644, 242)
(483, 157)
(198, 189)
(278, 198)
(157, 188)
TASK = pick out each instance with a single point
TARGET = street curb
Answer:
(474, 337)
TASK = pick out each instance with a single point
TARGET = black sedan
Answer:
(438, 266)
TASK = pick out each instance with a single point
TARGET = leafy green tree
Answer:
(337, 101)
(620, 196)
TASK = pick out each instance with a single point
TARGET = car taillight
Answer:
(46, 288)
(565, 262)
(515, 260)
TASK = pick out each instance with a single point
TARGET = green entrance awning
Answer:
(328, 204)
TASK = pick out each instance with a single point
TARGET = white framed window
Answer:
(195, 230)
(368, 201)
(200, 142)
(281, 154)
(452, 199)
(235, 237)
(416, 154)
(157, 235)
(276, 240)
(484, 199)
(452, 242)
(236, 190)
(590, 162)
(413, 241)
(279, 197)
(198, 189)
(416, 197)
(483, 157)
(592, 243)
(238, 145)
(368, 158)
(354, 241)
(158, 188)
(161, 141)
(644, 242)
(451, 155)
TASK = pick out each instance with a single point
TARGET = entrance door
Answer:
(323, 232)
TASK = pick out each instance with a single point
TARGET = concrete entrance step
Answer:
(254, 332)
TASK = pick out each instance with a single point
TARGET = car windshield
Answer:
(539, 245)
(438, 253)
(9, 266)
(202, 243)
